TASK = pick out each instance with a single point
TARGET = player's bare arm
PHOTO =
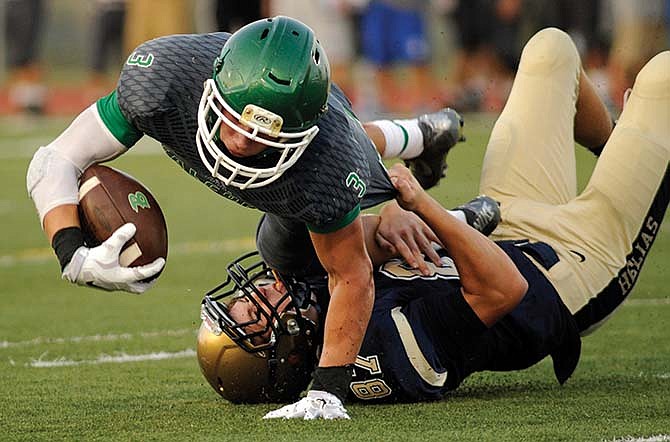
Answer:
(492, 284)
(344, 256)
(59, 218)
(342, 253)
(53, 185)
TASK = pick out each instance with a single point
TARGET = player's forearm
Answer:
(483, 267)
(59, 218)
(348, 315)
(344, 256)
(377, 254)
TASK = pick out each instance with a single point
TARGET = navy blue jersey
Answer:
(158, 94)
(423, 338)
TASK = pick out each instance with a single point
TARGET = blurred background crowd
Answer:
(390, 56)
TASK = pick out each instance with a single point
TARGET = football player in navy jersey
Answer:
(253, 116)
(556, 267)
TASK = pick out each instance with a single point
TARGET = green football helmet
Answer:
(273, 77)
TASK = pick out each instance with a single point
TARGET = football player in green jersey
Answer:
(561, 265)
(253, 116)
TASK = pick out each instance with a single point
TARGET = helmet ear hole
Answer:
(278, 80)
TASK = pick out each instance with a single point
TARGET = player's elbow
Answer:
(352, 299)
(515, 291)
(356, 281)
(501, 300)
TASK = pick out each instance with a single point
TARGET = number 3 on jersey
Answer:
(356, 183)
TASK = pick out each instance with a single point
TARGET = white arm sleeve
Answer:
(55, 169)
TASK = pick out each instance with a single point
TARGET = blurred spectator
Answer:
(489, 47)
(231, 15)
(333, 25)
(394, 40)
(148, 19)
(587, 22)
(639, 33)
(106, 42)
(578, 18)
(24, 21)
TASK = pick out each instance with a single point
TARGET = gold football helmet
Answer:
(272, 363)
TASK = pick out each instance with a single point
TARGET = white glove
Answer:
(316, 405)
(99, 266)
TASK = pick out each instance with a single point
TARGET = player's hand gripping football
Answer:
(99, 266)
(410, 193)
(316, 405)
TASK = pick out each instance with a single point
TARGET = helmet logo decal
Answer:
(253, 115)
(143, 61)
(355, 182)
(138, 200)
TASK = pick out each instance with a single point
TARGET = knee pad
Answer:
(653, 80)
(549, 50)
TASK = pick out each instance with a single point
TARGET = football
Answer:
(109, 198)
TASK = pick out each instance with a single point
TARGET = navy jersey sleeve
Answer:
(540, 326)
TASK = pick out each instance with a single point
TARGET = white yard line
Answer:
(657, 438)
(46, 255)
(120, 358)
(25, 147)
(644, 302)
(109, 337)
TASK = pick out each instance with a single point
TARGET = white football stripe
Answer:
(130, 254)
(87, 186)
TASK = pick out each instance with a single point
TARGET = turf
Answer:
(73, 361)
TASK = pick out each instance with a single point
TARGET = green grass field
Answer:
(79, 364)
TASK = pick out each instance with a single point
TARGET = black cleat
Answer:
(441, 131)
(482, 213)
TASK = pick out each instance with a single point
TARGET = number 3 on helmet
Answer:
(273, 77)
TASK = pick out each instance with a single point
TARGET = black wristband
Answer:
(334, 380)
(65, 242)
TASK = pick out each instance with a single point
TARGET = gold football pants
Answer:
(602, 235)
